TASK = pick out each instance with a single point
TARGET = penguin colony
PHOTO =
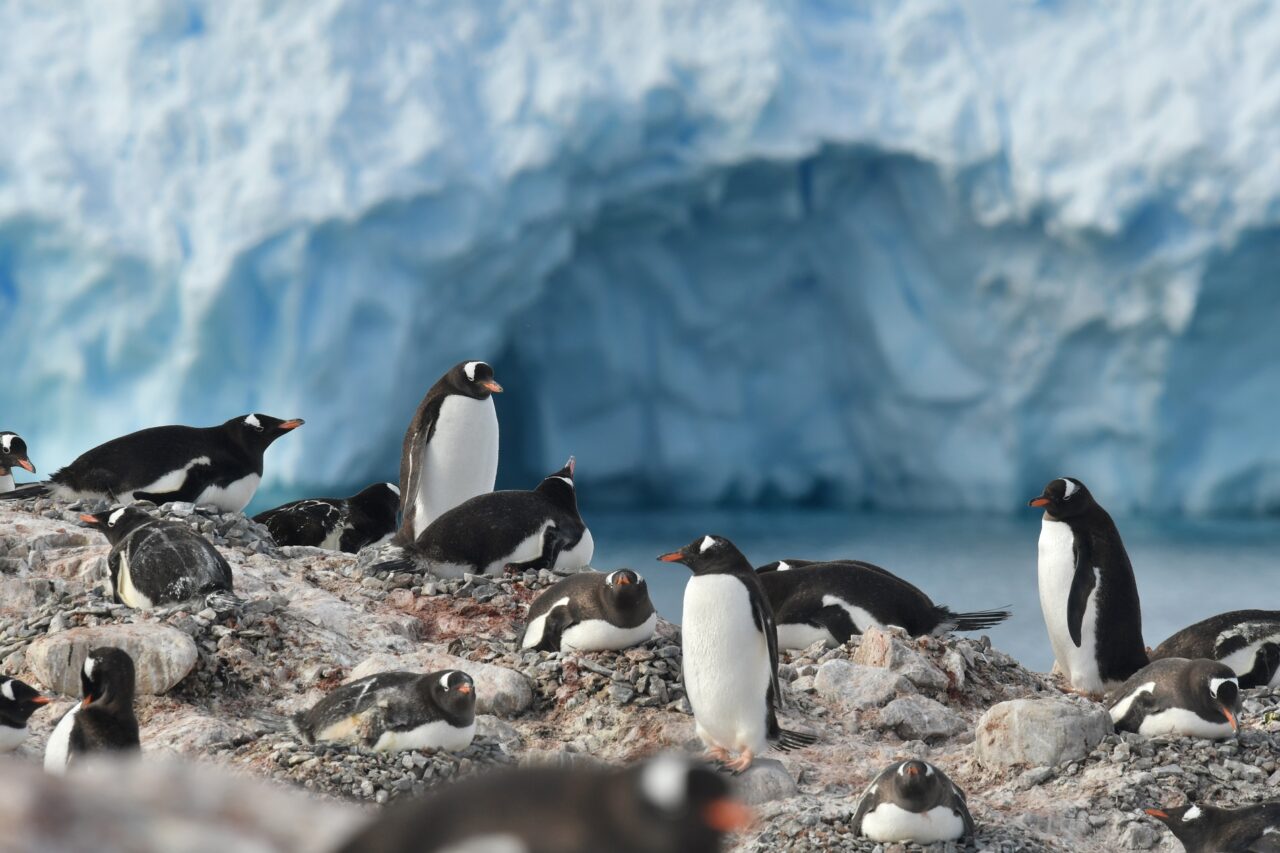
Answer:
(735, 620)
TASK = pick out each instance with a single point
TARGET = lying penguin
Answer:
(18, 701)
(394, 711)
(339, 524)
(1248, 641)
(913, 801)
(1199, 698)
(591, 611)
(1209, 829)
(104, 720)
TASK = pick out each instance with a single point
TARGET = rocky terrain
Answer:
(1043, 770)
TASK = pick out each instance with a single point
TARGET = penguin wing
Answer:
(962, 809)
(113, 567)
(763, 617)
(1267, 842)
(868, 801)
(1082, 584)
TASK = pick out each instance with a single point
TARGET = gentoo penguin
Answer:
(155, 562)
(104, 718)
(1087, 590)
(218, 466)
(450, 448)
(1209, 829)
(394, 711)
(13, 454)
(18, 701)
(1199, 698)
(591, 611)
(339, 524)
(490, 532)
(730, 654)
(833, 601)
(913, 801)
(666, 804)
(1248, 641)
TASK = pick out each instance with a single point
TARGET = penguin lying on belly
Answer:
(913, 801)
(591, 611)
(1248, 641)
(339, 524)
(1209, 829)
(1176, 696)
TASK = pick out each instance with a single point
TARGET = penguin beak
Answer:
(1038, 502)
(87, 700)
(24, 462)
(89, 519)
(673, 557)
(913, 771)
(1157, 813)
(40, 700)
(726, 815)
(464, 689)
(623, 580)
(493, 387)
(293, 424)
(1231, 718)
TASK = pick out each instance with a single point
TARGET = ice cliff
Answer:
(899, 254)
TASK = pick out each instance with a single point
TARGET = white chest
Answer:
(579, 555)
(1056, 570)
(6, 483)
(11, 738)
(125, 588)
(597, 634)
(802, 635)
(58, 751)
(890, 822)
(437, 734)
(1180, 721)
(460, 461)
(233, 497)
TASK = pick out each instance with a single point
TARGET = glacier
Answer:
(903, 255)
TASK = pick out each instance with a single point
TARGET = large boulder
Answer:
(499, 691)
(891, 649)
(857, 687)
(920, 718)
(1042, 732)
(161, 655)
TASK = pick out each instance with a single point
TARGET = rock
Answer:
(890, 649)
(499, 691)
(920, 718)
(766, 780)
(856, 686)
(161, 655)
(1041, 732)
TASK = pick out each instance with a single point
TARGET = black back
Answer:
(619, 597)
(797, 596)
(168, 561)
(916, 786)
(106, 720)
(18, 701)
(368, 516)
(1210, 829)
(398, 701)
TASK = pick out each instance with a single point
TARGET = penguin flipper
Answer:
(553, 628)
(1082, 585)
(1265, 662)
(835, 619)
(763, 616)
(962, 809)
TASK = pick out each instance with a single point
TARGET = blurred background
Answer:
(832, 279)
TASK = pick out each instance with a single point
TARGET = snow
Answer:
(901, 254)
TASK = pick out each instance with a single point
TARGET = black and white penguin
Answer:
(104, 719)
(339, 524)
(219, 466)
(13, 454)
(154, 561)
(523, 530)
(913, 801)
(591, 611)
(730, 654)
(1248, 641)
(450, 449)
(1209, 829)
(395, 711)
(666, 804)
(18, 701)
(830, 602)
(1087, 590)
(1199, 698)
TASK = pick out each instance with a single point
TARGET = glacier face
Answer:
(912, 254)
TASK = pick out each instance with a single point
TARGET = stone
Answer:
(857, 687)
(1042, 732)
(764, 781)
(920, 718)
(891, 649)
(162, 656)
(499, 691)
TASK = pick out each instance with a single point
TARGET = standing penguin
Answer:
(155, 562)
(730, 654)
(18, 701)
(1209, 829)
(339, 524)
(13, 454)
(104, 719)
(1199, 698)
(1087, 590)
(591, 611)
(450, 449)
(913, 801)
(1248, 641)
(219, 466)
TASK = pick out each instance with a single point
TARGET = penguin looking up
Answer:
(913, 801)
(591, 611)
(450, 449)
(18, 701)
(339, 524)
(1177, 696)
(730, 654)
(13, 454)
(218, 466)
(154, 561)
(1087, 590)
(1248, 641)
(666, 804)
(104, 719)
(1209, 829)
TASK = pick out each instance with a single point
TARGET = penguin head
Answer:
(256, 431)
(624, 587)
(1064, 497)
(1217, 689)
(18, 700)
(117, 522)
(683, 805)
(559, 486)
(708, 555)
(453, 691)
(1191, 824)
(107, 678)
(13, 453)
(914, 778)
(472, 379)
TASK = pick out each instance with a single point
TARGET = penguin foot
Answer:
(740, 765)
(717, 755)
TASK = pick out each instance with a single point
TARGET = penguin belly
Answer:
(171, 482)
(1057, 567)
(802, 635)
(579, 555)
(726, 664)
(890, 822)
(6, 483)
(461, 459)
(58, 751)
(126, 589)
(233, 497)
(437, 734)
(11, 738)
(598, 635)
(1181, 721)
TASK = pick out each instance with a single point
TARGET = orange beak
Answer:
(88, 519)
(1231, 718)
(85, 703)
(41, 700)
(1038, 502)
(1157, 813)
(726, 815)
(24, 462)
(494, 387)
(464, 689)
(673, 557)
(913, 771)
(293, 424)
(624, 581)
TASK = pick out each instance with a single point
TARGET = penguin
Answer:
(591, 611)
(339, 524)
(730, 654)
(18, 701)
(1087, 590)
(1210, 829)
(395, 711)
(511, 529)
(913, 801)
(1198, 698)
(13, 454)
(833, 601)
(450, 449)
(1248, 641)
(104, 719)
(666, 804)
(218, 466)
(155, 562)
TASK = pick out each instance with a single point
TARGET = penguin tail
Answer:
(978, 620)
(223, 601)
(789, 739)
(298, 726)
(25, 491)
(387, 567)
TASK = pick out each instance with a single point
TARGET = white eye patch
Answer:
(470, 369)
(784, 566)
(444, 679)
(1216, 683)
(707, 542)
(88, 667)
(1070, 488)
(393, 487)
(253, 421)
(1192, 813)
(114, 517)
(665, 781)
(7, 690)
(6, 441)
